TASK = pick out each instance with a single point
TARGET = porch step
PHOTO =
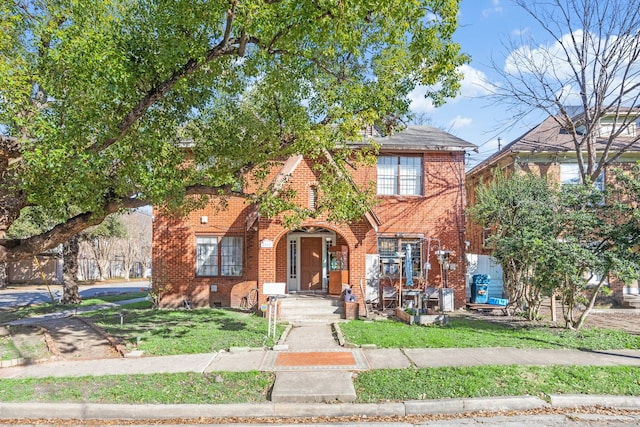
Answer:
(308, 307)
(630, 301)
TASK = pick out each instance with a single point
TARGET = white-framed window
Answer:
(387, 248)
(313, 197)
(609, 125)
(400, 175)
(570, 175)
(217, 256)
(486, 235)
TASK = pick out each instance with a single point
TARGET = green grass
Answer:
(113, 298)
(371, 386)
(464, 332)
(170, 332)
(222, 387)
(485, 381)
(8, 349)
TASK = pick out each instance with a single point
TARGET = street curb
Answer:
(605, 401)
(87, 411)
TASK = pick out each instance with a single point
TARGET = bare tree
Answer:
(589, 72)
(102, 242)
(135, 247)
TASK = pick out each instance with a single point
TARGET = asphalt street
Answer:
(15, 296)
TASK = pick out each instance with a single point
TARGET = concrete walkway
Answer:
(321, 374)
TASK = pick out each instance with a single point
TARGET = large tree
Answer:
(565, 241)
(584, 66)
(101, 101)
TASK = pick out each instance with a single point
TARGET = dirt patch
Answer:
(65, 338)
(627, 320)
(73, 338)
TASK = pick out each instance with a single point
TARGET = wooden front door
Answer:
(311, 264)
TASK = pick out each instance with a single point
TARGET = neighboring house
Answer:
(548, 150)
(46, 268)
(214, 258)
(127, 257)
(132, 252)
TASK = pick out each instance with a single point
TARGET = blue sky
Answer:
(485, 28)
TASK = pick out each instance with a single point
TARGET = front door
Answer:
(311, 264)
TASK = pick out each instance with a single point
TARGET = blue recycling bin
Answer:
(480, 288)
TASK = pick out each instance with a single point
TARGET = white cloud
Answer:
(546, 57)
(460, 122)
(474, 82)
(495, 8)
(420, 104)
(519, 32)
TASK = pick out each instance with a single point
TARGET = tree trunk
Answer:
(3, 275)
(70, 294)
(592, 300)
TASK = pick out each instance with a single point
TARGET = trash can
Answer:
(480, 288)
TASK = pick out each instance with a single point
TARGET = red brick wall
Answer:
(174, 251)
(439, 214)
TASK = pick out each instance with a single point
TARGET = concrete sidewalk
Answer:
(248, 359)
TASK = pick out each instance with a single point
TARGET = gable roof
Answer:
(289, 166)
(421, 138)
(546, 137)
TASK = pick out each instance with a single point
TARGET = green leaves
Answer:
(119, 102)
(567, 240)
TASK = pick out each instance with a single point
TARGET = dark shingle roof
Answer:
(549, 137)
(422, 138)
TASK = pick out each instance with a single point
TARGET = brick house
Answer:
(548, 150)
(214, 258)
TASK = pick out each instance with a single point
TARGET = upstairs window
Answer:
(610, 125)
(570, 175)
(218, 256)
(399, 176)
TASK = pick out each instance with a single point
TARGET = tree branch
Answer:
(16, 249)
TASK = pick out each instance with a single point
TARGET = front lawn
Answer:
(170, 332)
(210, 388)
(486, 381)
(371, 386)
(465, 332)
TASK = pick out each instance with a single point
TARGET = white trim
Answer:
(293, 283)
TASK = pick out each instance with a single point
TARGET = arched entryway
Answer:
(308, 259)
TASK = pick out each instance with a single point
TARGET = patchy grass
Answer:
(8, 349)
(25, 342)
(486, 381)
(371, 386)
(170, 332)
(210, 388)
(464, 332)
